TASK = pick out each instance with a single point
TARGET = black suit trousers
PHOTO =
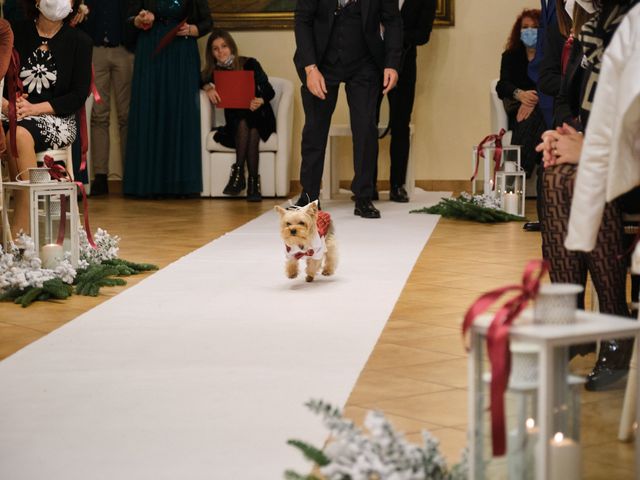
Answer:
(401, 101)
(362, 83)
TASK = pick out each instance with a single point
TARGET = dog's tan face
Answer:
(297, 226)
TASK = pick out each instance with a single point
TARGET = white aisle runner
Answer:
(201, 371)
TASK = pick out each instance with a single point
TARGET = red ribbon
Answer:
(14, 91)
(496, 139)
(168, 38)
(566, 53)
(60, 173)
(498, 340)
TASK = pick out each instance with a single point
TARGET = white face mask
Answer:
(55, 10)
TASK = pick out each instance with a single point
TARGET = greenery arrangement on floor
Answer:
(24, 281)
(382, 453)
(477, 208)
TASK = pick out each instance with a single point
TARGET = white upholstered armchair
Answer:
(275, 153)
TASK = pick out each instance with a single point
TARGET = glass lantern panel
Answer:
(54, 228)
(510, 190)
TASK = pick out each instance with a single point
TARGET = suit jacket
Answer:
(88, 25)
(196, 11)
(417, 21)
(314, 20)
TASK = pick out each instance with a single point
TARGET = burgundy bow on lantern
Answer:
(496, 138)
(60, 173)
(498, 340)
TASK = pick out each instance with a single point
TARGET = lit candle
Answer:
(564, 459)
(51, 255)
(530, 449)
(510, 202)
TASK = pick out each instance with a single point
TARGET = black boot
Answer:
(612, 364)
(236, 181)
(253, 189)
(100, 185)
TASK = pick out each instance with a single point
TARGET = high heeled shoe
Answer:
(612, 365)
(236, 181)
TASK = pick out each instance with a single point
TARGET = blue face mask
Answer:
(529, 37)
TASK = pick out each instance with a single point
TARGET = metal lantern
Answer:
(509, 161)
(542, 408)
(510, 186)
(53, 217)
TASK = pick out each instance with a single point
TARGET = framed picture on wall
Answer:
(278, 14)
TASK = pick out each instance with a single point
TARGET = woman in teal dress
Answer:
(163, 156)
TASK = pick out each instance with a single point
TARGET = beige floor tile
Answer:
(387, 355)
(445, 409)
(450, 344)
(377, 385)
(452, 373)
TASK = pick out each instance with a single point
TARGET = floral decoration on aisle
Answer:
(24, 281)
(477, 208)
(380, 454)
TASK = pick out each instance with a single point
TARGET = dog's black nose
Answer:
(293, 231)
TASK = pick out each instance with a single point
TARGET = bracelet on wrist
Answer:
(516, 92)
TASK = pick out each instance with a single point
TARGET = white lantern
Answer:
(53, 218)
(510, 190)
(543, 417)
(509, 161)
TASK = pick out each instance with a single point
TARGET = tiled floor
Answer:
(417, 372)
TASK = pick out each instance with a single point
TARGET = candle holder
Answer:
(510, 189)
(509, 161)
(542, 416)
(556, 303)
(53, 219)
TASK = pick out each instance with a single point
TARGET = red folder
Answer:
(235, 87)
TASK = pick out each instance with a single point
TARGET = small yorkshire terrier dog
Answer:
(308, 233)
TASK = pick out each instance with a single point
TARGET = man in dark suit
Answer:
(417, 22)
(113, 64)
(342, 41)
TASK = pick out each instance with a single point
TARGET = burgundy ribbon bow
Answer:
(299, 255)
(14, 91)
(496, 139)
(566, 53)
(498, 340)
(60, 173)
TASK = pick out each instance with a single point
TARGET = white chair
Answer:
(499, 117)
(275, 153)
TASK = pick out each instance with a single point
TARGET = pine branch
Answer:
(126, 268)
(89, 281)
(310, 452)
(465, 209)
(291, 475)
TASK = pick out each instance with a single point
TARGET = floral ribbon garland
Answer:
(60, 173)
(496, 139)
(498, 340)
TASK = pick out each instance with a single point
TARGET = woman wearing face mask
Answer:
(243, 128)
(55, 68)
(163, 155)
(518, 91)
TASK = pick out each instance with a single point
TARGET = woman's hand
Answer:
(188, 30)
(5, 107)
(26, 109)
(528, 97)
(256, 103)
(80, 16)
(144, 20)
(524, 112)
(562, 145)
(549, 138)
(214, 97)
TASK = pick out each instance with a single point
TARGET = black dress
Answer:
(527, 133)
(262, 119)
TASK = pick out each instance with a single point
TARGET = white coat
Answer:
(610, 162)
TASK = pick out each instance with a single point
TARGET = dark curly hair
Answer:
(32, 12)
(514, 41)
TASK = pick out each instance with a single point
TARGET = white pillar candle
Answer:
(510, 202)
(51, 255)
(564, 459)
(531, 447)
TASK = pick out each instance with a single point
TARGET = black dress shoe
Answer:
(398, 194)
(612, 365)
(303, 201)
(531, 226)
(99, 186)
(365, 209)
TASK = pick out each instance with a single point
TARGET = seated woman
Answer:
(55, 68)
(244, 127)
(518, 91)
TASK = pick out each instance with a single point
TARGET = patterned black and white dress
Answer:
(39, 75)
